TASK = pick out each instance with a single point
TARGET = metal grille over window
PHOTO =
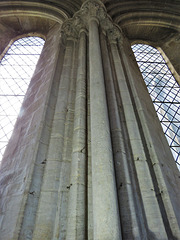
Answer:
(164, 91)
(16, 69)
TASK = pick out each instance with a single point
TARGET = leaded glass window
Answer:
(16, 69)
(164, 91)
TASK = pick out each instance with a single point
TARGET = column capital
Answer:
(115, 34)
(68, 30)
(72, 27)
(79, 22)
(93, 9)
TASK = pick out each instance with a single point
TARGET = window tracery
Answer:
(16, 69)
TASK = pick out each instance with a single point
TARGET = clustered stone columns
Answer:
(106, 222)
(101, 177)
(118, 142)
(111, 163)
(105, 208)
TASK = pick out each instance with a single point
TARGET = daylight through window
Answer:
(164, 91)
(16, 70)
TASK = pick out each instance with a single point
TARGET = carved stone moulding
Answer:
(91, 9)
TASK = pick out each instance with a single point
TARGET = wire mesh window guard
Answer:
(164, 91)
(16, 70)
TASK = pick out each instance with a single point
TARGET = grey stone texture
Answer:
(88, 158)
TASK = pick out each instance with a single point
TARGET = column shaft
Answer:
(132, 226)
(151, 208)
(49, 191)
(76, 226)
(105, 206)
(60, 228)
(150, 134)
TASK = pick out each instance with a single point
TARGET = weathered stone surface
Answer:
(88, 158)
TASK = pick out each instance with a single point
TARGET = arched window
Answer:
(164, 91)
(16, 69)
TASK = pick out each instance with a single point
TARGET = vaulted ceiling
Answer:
(153, 21)
(161, 17)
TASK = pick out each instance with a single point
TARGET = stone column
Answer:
(54, 167)
(105, 206)
(60, 226)
(156, 141)
(127, 196)
(77, 217)
(151, 208)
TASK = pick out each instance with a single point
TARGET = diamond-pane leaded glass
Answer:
(164, 91)
(16, 69)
